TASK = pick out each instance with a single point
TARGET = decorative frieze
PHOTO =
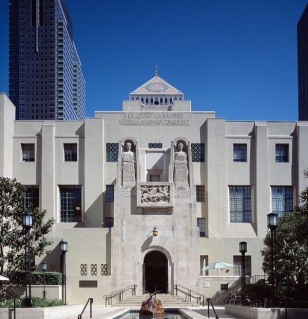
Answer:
(151, 194)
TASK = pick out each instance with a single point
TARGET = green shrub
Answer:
(38, 303)
(37, 278)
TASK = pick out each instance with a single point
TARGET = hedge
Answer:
(37, 278)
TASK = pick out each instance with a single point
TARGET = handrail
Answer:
(209, 301)
(91, 302)
(189, 294)
(120, 294)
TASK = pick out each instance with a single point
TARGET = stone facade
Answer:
(154, 165)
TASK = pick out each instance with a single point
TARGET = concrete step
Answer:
(168, 301)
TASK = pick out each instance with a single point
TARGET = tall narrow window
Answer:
(31, 197)
(237, 262)
(282, 199)
(109, 193)
(200, 193)
(201, 225)
(240, 204)
(70, 203)
(70, 152)
(27, 152)
(203, 264)
(240, 152)
(282, 153)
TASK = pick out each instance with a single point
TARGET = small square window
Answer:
(70, 152)
(200, 193)
(109, 222)
(109, 193)
(240, 152)
(27, 152)
(282, 153)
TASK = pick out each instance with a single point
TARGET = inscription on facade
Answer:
(155, 118)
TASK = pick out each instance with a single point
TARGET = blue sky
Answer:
(235, 57)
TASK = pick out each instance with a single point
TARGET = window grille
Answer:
(197, 152)
(112, 152)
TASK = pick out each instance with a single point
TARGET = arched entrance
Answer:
(155, 272)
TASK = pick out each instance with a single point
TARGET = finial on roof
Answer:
(156, 70)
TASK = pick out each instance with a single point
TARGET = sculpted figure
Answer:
(128, 166)
(180, 167)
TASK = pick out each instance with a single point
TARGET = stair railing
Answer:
(91, 302)
(119, 294)
(209, 302)
(189, 294)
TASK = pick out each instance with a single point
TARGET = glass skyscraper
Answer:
(45, 75)
(302, 64)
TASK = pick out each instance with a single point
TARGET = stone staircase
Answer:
(168, 301)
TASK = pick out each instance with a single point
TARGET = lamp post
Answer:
(27, 224)
(272, 222)
(44, 268)
(243, 250)
(63, 249)
(264, 268)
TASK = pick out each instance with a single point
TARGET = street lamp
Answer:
(272, 223)
(264, 268)
(243, 250)
(63, 249)
(44, 268)
(27, 224)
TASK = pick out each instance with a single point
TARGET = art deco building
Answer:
(45, 76)
(202, 183)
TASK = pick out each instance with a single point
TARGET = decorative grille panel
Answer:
(104, 269)
(155, 145)
(83, 270)
(197, 152)
(93, 269)
(112, 152)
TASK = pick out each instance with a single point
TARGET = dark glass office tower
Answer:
(302, 64)
(45, 75)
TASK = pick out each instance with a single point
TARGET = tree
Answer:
(291, 247)
(13, 237)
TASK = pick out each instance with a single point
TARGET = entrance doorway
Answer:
(155, 272)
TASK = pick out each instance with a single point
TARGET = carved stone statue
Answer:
(180, 167)
(128, 167)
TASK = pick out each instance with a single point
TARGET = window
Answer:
(237, 262)
(282, 153)
(112, 151)
(109, 222)
(240, 204)
(239, 152)
(200, 193)
(201, 225)
(27, 152)
(282, 199)
(203, 264)
(197, 152)
(109, 193)
(31, 197)
(70, 152)
(70, 204)
(155, 145)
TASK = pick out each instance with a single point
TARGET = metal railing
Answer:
(91, 302)
(119, 294)
(209, 302)
(189, 294)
